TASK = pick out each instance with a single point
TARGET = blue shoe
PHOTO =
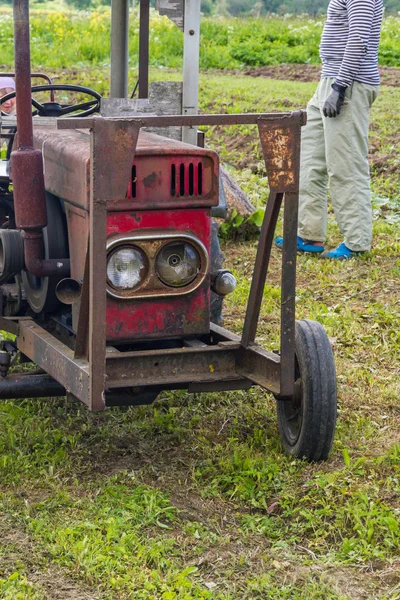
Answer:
(302, 245)
(342, 252)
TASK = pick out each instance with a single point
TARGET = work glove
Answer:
(334, 102)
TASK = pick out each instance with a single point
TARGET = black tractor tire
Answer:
(307, 422)
(40, 291)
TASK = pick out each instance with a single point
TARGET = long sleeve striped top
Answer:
(350, 40)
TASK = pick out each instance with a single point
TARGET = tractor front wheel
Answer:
(307, 421)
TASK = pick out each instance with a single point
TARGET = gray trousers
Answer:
(335, 151)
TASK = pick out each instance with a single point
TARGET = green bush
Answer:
(78, 39)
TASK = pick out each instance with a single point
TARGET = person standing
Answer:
(334, 146)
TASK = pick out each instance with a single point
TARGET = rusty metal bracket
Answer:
(284, 120)
(113, 148)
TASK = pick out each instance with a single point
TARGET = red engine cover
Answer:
(166, 317)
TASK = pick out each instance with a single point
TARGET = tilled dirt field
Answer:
(291, 72)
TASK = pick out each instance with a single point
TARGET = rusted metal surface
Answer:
(210, 367)
(288, 294)
(180, 365)
(279, 141)
(30, 386)
(81, 340)
(109, 173)
(144, 48)
(260, 366)
(11, 324)
(23, 73)
(34, 261)
(55, 358)
(66, 156)
(282, 120)
(156, 177)
(28, 189)
(260, 269)
(171, 180)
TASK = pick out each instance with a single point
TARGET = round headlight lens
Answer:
(178, 264)
(126, 268)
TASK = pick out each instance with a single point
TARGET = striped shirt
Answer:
(350, 40)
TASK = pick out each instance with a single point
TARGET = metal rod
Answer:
(288, 299)
(23, 73)
(261, 269)
(286, 119)
(97, 275)
(191, 51)
(29, 386)
(26, 161)
(144, 48)
(119, 48)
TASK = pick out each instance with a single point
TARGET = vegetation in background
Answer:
(81, 39)
(223, 7)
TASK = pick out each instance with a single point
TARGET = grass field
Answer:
(191, 498)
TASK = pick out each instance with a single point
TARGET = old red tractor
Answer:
(107, 266)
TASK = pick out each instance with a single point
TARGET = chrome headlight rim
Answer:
(112, 249)
(143, 240)
(163, 278)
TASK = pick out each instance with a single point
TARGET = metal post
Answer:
(23, 73)
(119, 48)
(191, 52)
(144, 49)
(261, 269)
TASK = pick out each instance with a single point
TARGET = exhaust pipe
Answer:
(27, 162)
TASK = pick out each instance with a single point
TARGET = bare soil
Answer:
(293, 72)
(242, 146)
(47, 577)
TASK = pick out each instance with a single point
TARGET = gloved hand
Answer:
(334, 102)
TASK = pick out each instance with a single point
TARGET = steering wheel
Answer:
(54, 109)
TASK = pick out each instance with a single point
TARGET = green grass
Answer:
(192, 498)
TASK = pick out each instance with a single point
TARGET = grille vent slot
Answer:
(134, 180)
(187, 180)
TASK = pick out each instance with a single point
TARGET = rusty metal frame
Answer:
(228, 361)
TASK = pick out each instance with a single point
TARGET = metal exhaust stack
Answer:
(26, 162)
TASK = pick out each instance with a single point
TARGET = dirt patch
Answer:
(46, 578)
(242, 152)
(294, 72)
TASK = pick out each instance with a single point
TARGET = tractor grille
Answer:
(187, 180)
(134, 181)
(172, 179)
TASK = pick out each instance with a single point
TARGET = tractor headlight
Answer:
(177, 264)
(126, 268)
